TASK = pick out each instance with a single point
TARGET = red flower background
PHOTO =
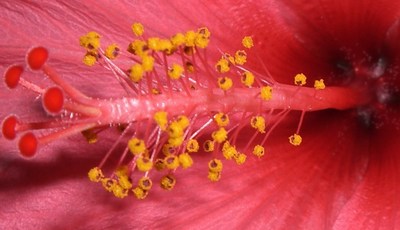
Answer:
(345, 175)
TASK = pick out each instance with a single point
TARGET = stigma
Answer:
(172, 95)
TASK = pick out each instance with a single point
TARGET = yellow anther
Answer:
(208, 146)
(215, 165)
(240, 57)
(319, 84)
(226, 145)
(183, 121)
(108, 184)
(171, 162)
(295, 139)
(168, 182)
(95, 174)
(178, 39)
(214, 176)
(161, 118)
(138, 47)
(136, 73)
(140, 193)
(185, 160)
(89, 59)
(192, 146)
(90, 135)
(222, 65)
(175, 71)
(221, 119)
(175, 141)
(229, 152)
(147, 63)
(138, 29)
(247, 42)
(190, 37)
(247, 79)
(119, 192)
(258, 122)
(266, 93)
(258, 150)
(159, 164)
(225, 83)
(220, 135)
(165, 45)
(144, 164)
(300, 79)
(154, 43)
(201, 41)
(124, 182)
(145, 183)
(112, 51)
(90, 41)
(240, 158)
(175, 130)
(136, 146)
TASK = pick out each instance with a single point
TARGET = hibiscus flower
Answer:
(344, 175)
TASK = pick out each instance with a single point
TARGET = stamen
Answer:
(173, 93)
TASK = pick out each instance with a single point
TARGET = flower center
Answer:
(380, 83)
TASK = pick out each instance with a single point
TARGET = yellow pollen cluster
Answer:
(240, 158)
(185, 160)
(137, 29)
(247, 42)
(175, 72)
(258, 151)
(90, 58)
(192, 146)
(225, 83)
(91, 42)
(222, 65)
(247, 79)
(142, 189)
(112, 51)
(258, 122)
(240, 57)
(136, 73)
(266, 93)
(295, 139)
(168, 182)
(161, 119)
(136, 146)
(319, 84)
(208, 146)
(221, 119)
(228, 151)
(95, 174)
(144, 164)
(171, 162)
(300, 79)
(214, 170)
(219, 135)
